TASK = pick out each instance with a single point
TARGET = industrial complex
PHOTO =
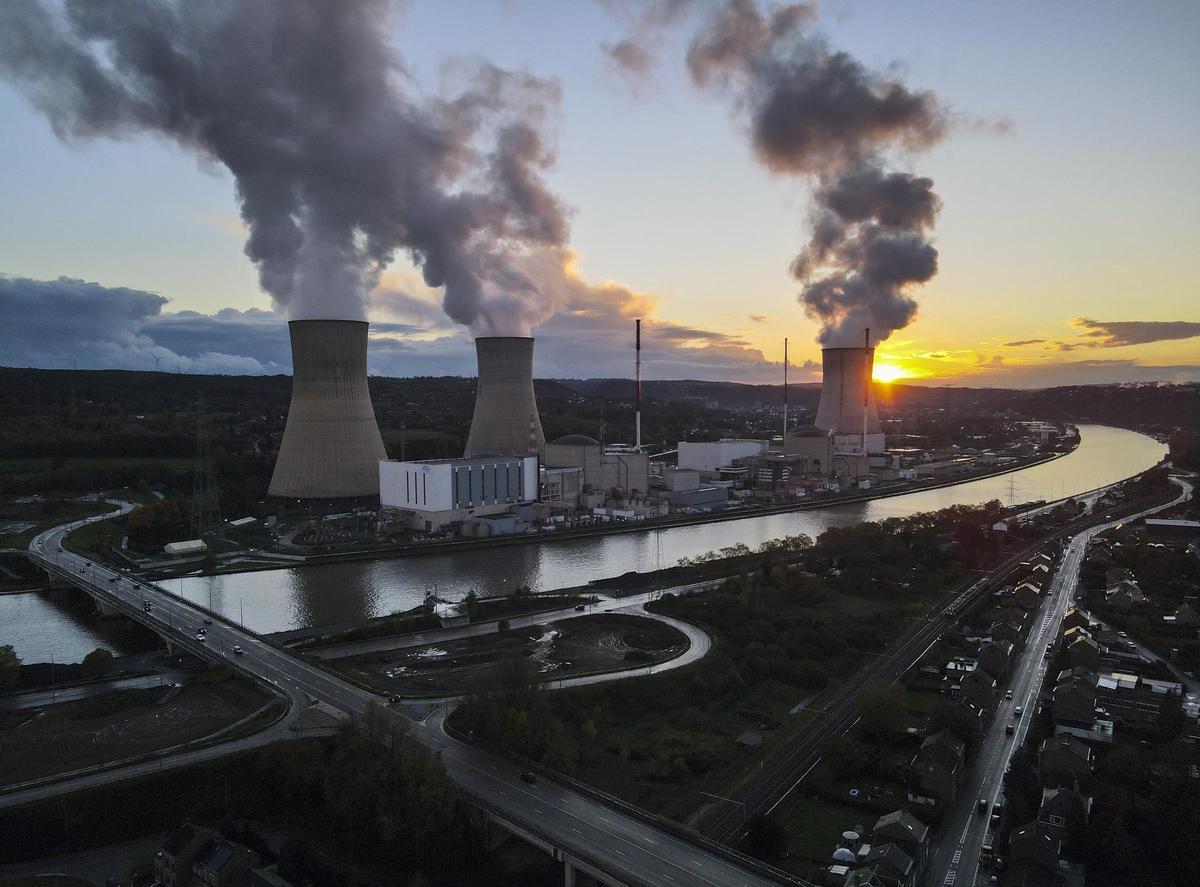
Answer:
(511, 480)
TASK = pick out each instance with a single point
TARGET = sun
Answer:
(889, 372)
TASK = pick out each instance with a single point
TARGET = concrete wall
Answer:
(506, 417)
(331, 444)
(713, 455)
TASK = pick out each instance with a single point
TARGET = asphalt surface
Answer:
(955, 859)
(619, 843)
(780, 775)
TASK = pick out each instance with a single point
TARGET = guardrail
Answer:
(664, 823)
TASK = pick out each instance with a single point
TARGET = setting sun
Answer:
(889, 372)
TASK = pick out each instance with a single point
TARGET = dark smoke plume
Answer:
(819, 113)
(339, 163)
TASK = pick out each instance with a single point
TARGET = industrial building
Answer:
(715, 455)
(506, 419)
(428, 496)
(606, 474)
(331, 444)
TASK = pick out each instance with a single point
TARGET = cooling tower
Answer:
(846, 374)
(506, 420)
(331, 445)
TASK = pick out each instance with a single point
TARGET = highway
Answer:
(955, 859)
(781, 774)
(625, 846)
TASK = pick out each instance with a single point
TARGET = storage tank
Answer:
(331, 444)
(506, 417)
(845, 385)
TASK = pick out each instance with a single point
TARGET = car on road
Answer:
(1122, 635)
(208, 620)
(201, 637)
(982, 806)
(1017, 711)
(146, 606)
(580, 608)
(528, 777)
(237, 651)
(1008, 694)
(1009, 730)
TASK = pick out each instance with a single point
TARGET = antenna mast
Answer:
(785, 392)
(637, 385)
(866, 383)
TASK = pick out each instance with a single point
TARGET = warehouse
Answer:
(429, 495)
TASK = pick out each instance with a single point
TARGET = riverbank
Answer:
(735, 513)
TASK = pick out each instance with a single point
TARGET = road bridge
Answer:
(588, 835)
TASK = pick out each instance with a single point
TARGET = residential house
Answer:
(936, 770)
(1133, 698)
(907, 832)
(1064, 759)
(994, 658)
(1006, 631)
(1059, 806)
(173, 861)
(1114, 576)
(1186, 616)
(1075, 618)
(1126, 597)
(1026, 595)
(980, 688)
(893, 866)
(1084, 653)
(220, 863)
(1033, 855)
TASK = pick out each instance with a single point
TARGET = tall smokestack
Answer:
(847, 406)
(637, 394)
(506, 420)
(867, 370)
(785, 393)
(331, 444)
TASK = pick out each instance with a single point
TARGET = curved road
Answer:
(625, 846)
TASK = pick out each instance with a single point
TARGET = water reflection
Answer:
(279, 599)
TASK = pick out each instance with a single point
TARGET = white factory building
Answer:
(429, 495)
(715, 455)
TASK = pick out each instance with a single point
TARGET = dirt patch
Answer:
(584, 645)
(122, 724)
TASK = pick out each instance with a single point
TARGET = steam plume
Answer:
(819, 113)
(339, 163)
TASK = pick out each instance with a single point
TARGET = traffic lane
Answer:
(635, 849)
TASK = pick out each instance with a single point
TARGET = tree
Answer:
(766, 837)
(1172, 720)
(845, 757)
(10, 667)
(98, 663)
(883, 710)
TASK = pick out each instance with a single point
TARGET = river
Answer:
(275, 600)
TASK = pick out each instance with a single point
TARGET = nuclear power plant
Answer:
(847, 406)
(506, 417)
(331, 444)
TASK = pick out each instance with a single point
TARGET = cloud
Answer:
(1114, 334)
(61, 322)
(1048, 373)
(761, 318)
(1022, 342)
(50, 323)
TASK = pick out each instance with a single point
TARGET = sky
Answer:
(1066, 239)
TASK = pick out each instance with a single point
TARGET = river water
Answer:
(276, 600)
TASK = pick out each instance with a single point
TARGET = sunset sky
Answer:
(1067, 239)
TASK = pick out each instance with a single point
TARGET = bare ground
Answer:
(73, 735)
(562, 649)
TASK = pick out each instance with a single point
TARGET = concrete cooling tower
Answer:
(331, 445)
(506, 420)
(847, 398)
